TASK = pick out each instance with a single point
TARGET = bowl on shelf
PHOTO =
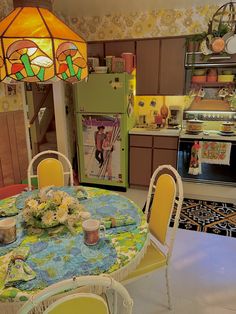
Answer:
(223, 78)
(227, 72)
(100, 70)
(199, 72)
(198, 78)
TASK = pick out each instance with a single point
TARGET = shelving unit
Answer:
(213, 84)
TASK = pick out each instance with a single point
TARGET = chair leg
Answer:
(115, 302)
(168, 288)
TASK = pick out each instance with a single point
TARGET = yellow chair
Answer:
(50, 170)
(90, 302)
(166, 190)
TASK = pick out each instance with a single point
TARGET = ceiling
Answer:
(103, 7)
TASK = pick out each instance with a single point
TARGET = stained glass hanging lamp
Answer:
(36, 46)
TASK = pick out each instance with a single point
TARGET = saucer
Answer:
(232, 133)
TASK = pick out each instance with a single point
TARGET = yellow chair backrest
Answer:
(50, 172)
(162, 207)
(84, 303)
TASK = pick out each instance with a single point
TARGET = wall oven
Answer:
(211, 173)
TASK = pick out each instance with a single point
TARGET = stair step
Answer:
(51, 137)
(47, 146)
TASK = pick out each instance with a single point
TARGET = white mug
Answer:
(91, 228)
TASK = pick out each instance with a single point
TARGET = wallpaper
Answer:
(156, 23)
(10, 97)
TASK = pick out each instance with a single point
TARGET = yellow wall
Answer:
(147, 109)
(10, 102)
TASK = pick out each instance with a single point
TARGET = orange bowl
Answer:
(198, 78)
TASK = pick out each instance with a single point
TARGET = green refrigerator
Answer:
(105, 113)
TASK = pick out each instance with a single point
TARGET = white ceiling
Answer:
(103, 7)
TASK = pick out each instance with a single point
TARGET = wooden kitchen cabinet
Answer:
(146, 153)
(147, 72)
(140, 159)
(172, 71)
(159, 62)
(96, 49)
(116, 48)
(160, 66)
(13, 149)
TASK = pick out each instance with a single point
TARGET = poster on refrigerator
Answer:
(102, 146)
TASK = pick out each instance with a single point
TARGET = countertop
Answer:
(206, 135)
(159, 132)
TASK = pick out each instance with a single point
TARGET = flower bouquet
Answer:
(50, 208)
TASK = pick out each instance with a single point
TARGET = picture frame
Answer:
(10, 90)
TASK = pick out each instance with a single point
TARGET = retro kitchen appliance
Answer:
(104, 116)
(175, 118)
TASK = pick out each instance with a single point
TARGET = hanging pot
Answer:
(217, 44)
(227, 127)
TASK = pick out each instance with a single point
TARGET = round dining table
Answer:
(55, 254)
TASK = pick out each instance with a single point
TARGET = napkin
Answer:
(18, 270)
(117, 221)
(8, 208)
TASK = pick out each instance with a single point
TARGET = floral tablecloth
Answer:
(56, 254)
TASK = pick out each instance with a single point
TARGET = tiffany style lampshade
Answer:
(36, 46)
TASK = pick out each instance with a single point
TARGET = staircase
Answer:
(50, 138)
(42, 120)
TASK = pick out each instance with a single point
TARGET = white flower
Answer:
(27, 214)
(62, 214)
(48, 218)
(32, 203)
(68, 200)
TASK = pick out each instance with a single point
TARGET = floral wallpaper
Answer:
(10, 97)
(158, 23)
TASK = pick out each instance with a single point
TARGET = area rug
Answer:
(212, 217)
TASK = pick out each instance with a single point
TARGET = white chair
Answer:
(80, 302)
(50, 170)
(166, 191)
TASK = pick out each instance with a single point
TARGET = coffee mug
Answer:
(7, 230)
(91, 228)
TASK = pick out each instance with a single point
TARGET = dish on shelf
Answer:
(225, 78)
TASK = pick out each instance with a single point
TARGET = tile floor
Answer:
(203, 273)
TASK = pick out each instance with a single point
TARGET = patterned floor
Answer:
(211, 217)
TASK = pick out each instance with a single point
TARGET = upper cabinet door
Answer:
(172, 73)
(96, 50)
(116, 48)
(147, 74)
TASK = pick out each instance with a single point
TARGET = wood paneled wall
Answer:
(13, 148)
